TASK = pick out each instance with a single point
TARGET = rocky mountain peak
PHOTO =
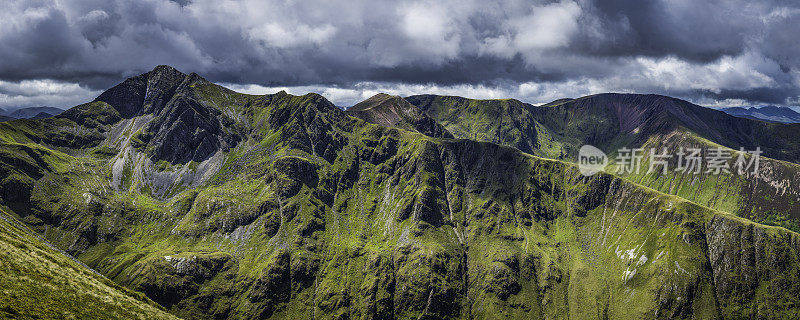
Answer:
(140, 94)
(378, 100)
(165, 71)
(394, 111)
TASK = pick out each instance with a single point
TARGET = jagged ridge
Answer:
(612, 121)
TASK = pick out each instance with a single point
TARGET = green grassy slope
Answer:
(38, 282)
(503, 121)
(286, 207)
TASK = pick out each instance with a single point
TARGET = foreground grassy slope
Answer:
(39, 282)
(285, 207)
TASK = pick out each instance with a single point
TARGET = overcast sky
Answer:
(714, 53)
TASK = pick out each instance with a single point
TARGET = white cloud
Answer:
(280, 36)
(734, 73)
(430, 30)
(94, 16)
(37, 93)
(546, 27)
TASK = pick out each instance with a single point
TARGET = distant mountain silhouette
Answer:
(34, 112)
(768, 113)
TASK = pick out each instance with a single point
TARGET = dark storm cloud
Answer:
(700, 50)
(699, 30)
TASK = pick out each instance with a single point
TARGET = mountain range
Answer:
(612, 121)
(29, 113)
(767, 113)
(215, 204)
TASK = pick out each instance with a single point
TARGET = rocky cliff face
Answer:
(754, 269)
(305, 212)
(176, 127)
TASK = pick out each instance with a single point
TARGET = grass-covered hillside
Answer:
(220, 205)
(502, 121)
(39, 282)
